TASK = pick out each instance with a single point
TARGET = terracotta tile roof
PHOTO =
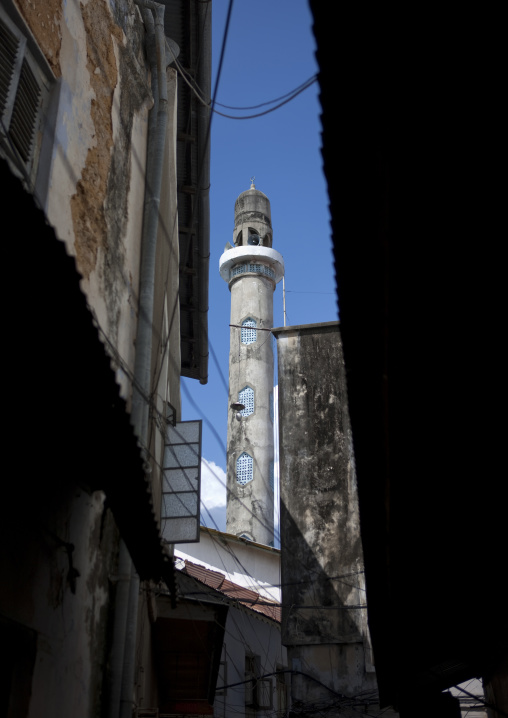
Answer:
(245, 596)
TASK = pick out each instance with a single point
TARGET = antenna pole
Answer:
(284, 297)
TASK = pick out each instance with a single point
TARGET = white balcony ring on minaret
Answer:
(241, 255)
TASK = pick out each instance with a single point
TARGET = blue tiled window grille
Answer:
(255, 268)
(272, 476)
(239, 269)
(244, 468)
(246, 397)
(271, 406)
(249, 333)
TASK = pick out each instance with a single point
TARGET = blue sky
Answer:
(269, 52)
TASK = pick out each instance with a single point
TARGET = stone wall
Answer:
(322, 564)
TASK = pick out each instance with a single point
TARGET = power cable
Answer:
(115, 355)
(272, 109)
(483, 702)
(284, 99)
(216, 435)
(150, 399)
(233, 601)
(304, 85)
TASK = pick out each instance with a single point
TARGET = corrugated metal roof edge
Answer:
(150, 556)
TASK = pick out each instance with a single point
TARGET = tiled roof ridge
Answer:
(246, 596)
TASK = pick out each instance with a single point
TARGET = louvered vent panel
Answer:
(24, 113)
(8, 51)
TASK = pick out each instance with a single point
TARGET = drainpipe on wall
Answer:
(153, 184)
(121, 699)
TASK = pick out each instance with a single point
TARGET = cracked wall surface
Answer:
(96, 51)
(61, 567)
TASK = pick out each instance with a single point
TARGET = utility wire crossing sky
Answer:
(264, 57)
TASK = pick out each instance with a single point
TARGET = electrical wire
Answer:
(272, 109)
(283, 100)
(483, 702)
(304, 85)
(117, 358)
(164, 341)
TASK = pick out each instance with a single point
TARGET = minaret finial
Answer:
(252, 185)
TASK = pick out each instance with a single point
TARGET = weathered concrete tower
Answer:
(252, 269)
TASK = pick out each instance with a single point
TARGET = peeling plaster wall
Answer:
(94, 200)
(96, 178)
(47, 18)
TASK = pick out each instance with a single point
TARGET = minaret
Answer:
(252, 269)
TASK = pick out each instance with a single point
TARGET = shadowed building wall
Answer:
(323, 622)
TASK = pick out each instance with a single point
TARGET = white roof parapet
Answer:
(239, 255)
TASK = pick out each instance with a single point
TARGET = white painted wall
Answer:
(246, 633)
(245, 563)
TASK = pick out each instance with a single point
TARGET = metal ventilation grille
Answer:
(9, 46)
(244, 467)
(246, 397)
(24, 113)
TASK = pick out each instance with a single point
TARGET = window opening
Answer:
(244, 468)
(23, 89)
(246, 397)
(249, 333)
(251, 673)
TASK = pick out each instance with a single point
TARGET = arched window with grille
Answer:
(244, 466)
(246, 397)
(249, 333)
